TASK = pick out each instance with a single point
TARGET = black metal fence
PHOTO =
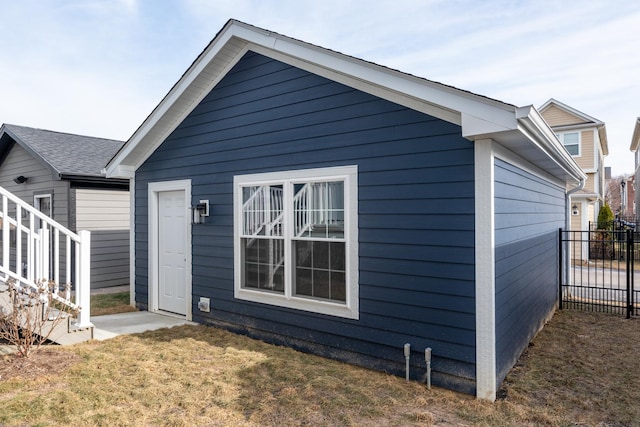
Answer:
(598, 270)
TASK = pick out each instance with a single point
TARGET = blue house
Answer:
(316, 200)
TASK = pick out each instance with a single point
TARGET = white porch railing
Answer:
(36, 248)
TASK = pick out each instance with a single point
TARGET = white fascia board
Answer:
(159, 113)
(118, 170)
(579, 126)
(496, 115)
(635, 139)
(572, 111)
(474, 127)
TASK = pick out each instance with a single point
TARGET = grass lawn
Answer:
(102, 304)
(582, 369)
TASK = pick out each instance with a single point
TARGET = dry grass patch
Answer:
(584, 366)
(102, 304)
(195, 375)
(579, 371)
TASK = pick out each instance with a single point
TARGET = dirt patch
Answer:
(43, 362)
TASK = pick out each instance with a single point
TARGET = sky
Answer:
(99, 67)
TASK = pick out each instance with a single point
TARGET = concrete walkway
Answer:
(112, 325)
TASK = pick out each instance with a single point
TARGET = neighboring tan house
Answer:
(585, 138)
(61, 175)
(635, 144)
(316, 200)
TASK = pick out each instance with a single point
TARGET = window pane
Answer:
(263, 264)
(321, 283)
(570, 138)
(319, 209)
(338, 286)
(304, 282)
(321, 255)
(319, 270)
(337, 256)
(571, 142)
(574, 150)
(262, 210)
(302, 251)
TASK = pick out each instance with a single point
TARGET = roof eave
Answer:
(30, 150)
(635, 139)
(92, 179)
(587, 118)
(602, 134)
(531, 123)
(541, 146)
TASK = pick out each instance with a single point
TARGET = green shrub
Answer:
(605, 217)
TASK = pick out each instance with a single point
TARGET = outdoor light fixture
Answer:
(20, 179)
(574, 209)
(200, 211)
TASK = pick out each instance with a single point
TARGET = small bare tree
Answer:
(612, 193)
(31, 315)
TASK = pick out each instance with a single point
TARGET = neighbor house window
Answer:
(571, 141)
(296, 240)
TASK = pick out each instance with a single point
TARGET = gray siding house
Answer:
(62, 175)
(312, 199)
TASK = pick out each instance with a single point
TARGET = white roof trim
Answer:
(635, 139)
(530, 121)
(570, 110)
(477, 115)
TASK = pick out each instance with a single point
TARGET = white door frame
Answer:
(154, 189)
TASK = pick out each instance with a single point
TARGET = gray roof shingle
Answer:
(67, 154)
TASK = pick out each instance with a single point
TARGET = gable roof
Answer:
(66, 155)
(521, 129)
(582, 120)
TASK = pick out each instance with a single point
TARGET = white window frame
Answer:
(347, 174)
(37, 203)
(561, 136)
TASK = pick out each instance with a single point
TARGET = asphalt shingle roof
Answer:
(68, 154)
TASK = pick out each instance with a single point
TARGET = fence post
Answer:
(629, 272)
(560, 270)
(633, 271)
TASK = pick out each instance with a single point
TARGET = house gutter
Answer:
(531, 122)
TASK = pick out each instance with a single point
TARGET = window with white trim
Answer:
(295, 239)
(571, 141)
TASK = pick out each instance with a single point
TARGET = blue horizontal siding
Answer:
(416, 213)
(528, 213)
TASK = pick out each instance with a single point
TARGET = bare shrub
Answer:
(31, 315)
(601, 245)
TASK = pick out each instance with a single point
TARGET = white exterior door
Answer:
(172, 255)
